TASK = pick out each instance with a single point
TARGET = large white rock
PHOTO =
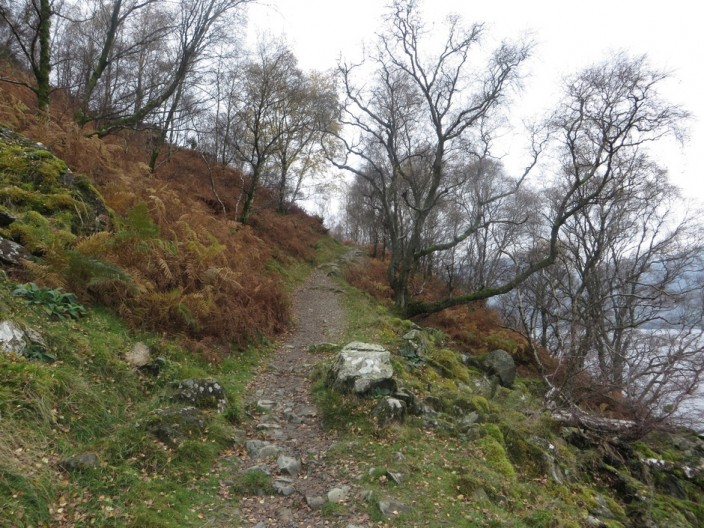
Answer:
(12, 338)
(362, 367)
(139, 356)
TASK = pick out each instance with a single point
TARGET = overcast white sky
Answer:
(568, 37)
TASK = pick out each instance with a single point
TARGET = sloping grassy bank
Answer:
(481, 455)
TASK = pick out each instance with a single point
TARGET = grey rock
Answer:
(593, 522)
(23, 341)
(263, 468)
(361, 368)
(80, 462)
(138, 356)
(35, 338)
(260, 524)
(253, 447)
(544, 454)
(417, 340)
(283, 486)
(202, 393)
(267, 426)
(395, 477)
(483, 386)
(285, 515)
(467, 421)
(12, 338)
(392, 507)
(293, 417)
(265, 405)
(500, 363)
(269, 451)
(389, 410)
(410, 400)
(289, 465)
(338, 494)
(172, 425)
(315, 502)
(480, 495)
(12, 253)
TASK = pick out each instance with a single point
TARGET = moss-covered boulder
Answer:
(173, 425)
(48, 204)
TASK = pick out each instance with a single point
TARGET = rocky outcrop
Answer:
(361, 368)
(201, 393)
(11, 253)
(23, 341)
(389, 410)
(173, 425)
(500, 365)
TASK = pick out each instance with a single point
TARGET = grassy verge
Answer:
(90, 401)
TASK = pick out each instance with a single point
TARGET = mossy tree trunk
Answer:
(42, 69)
(29, 25)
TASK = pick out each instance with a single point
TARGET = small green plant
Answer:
(55, 302)
(253, 482)
(411, 355)
(380, 392)
(39, 353)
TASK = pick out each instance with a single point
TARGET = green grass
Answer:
(89, 399)
(253, 482)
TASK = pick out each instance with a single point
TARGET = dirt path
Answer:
(287, 420)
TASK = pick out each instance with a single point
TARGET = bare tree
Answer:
(425, 116)
(98, 39)
(198, 25)
(626, 261)
(300, 125)
(263, 90)
(29, 23)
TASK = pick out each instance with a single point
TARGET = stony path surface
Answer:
(285, 437)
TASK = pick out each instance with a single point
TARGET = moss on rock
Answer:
(51, 203)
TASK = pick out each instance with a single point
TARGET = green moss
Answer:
(447, 362)
(495, 456)
(28, 164)
(644, 450)
(502, 341)
(494, 431)
(542, 519)
(480, 404)
(34, 182)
